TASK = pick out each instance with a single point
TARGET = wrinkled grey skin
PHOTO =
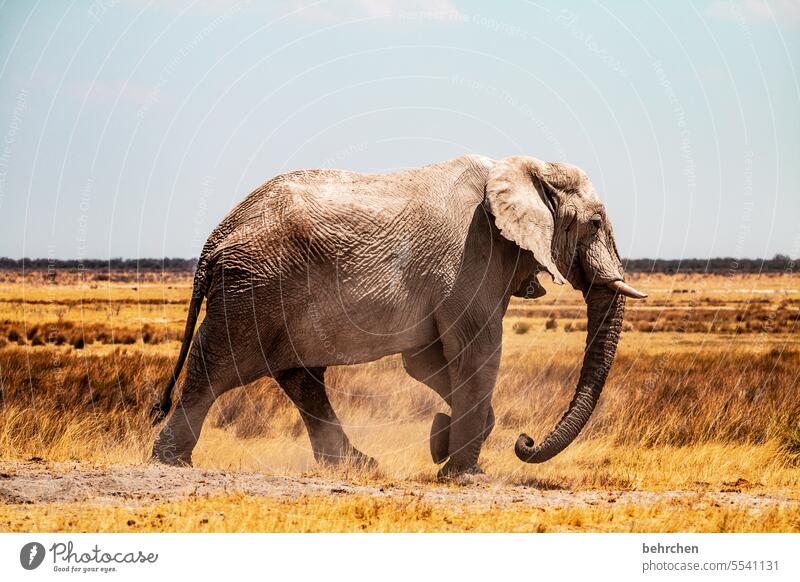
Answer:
(320, 268)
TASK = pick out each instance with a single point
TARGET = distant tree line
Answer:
(779, 263)
(173, 265)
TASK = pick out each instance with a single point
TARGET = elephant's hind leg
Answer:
(209, 374)
(179, 436)
(305, 387)
(177, 439)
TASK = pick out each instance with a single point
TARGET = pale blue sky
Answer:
(129, 129)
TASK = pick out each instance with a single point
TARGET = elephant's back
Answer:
(298, 201)
(376, 235)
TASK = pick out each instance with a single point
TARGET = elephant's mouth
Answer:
(578, 277)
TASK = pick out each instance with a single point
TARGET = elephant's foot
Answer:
(168, 456)
(356, 458)
(460, 474)
(170, 449)
(360, 460)
(345, 455)
(440, 438)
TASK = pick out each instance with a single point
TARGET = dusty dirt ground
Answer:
(36, 482)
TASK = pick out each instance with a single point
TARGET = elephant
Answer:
(320, 268)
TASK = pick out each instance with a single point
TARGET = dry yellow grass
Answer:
(240, 513)
(703, 397)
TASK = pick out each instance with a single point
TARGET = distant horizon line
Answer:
(776, 256)
(778, 263)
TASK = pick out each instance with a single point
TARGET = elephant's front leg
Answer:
(429, 366)
(306, 389)
(473, 376)
(440, 434)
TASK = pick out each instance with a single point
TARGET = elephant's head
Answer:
(553, 211)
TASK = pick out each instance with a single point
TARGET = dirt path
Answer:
(39, 482)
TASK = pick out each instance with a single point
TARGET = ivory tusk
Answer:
(624, 289)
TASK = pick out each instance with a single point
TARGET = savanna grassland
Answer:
(698, 428)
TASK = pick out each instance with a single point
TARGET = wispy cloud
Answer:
(199, 7)
(101, 92)
(324, 10)
(786, 13)
(390, 9)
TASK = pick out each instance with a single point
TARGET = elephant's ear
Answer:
(525, 206)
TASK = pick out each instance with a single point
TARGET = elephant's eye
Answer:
(596, 221)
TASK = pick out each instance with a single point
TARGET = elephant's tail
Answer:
(199, 290)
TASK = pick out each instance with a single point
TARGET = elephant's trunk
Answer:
(605, 310)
